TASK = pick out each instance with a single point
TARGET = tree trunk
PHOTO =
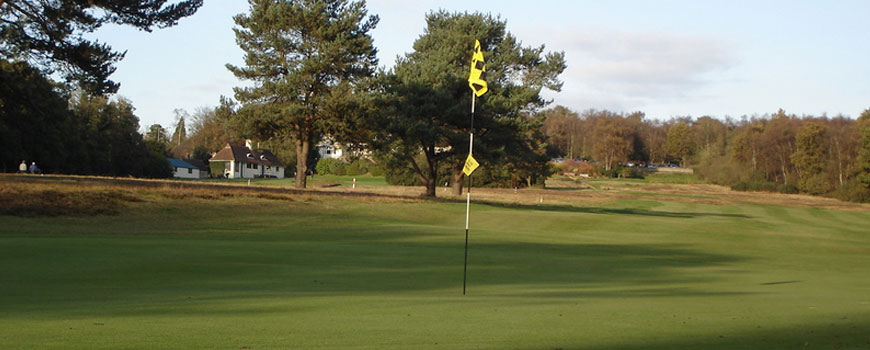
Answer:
(839, 161)
(456, 185)
(303, 145)
(429, 178)
(432, 181)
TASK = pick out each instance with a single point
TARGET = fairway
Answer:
(636, 269)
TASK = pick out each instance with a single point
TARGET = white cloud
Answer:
(628, 70)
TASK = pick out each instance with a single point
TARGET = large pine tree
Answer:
(427, 119)
(305, 58)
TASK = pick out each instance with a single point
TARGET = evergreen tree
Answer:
(306, 59)
(157, 137)
(180, 133)
(35, 124)
(426, 119)
(48, 34)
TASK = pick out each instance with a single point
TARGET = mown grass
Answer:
(310, 271)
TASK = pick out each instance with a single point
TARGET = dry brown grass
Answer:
(568, 192)
(24, 195)
(31, 196)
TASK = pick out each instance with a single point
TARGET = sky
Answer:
(666, 58)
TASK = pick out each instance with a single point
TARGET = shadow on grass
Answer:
(836, 332)
(77, 274)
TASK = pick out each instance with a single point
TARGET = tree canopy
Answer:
(48, 34)
(429, 101)
(306, 59)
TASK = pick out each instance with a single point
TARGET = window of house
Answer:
(176, 169)
(189, 171)
(277, 168)
(248, 165)
(255, 165)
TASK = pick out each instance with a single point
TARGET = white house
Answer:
(186, 170)
(327, 148)
(243, 162)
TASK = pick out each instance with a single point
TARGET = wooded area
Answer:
(779, 152)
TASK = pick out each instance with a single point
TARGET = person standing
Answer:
(22, 168)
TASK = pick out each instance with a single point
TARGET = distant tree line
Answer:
(73, 133)
(780, 152)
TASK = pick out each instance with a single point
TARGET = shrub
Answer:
(358, 167)
(788, 188)
(376, 170)
(853, 191)
(816, 184)
(330, 166)
(587, 169)
(402, 176)
(631, 173)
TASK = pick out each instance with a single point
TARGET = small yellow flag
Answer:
(477, 77)
(470, 165)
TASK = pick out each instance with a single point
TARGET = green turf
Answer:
(334, 273)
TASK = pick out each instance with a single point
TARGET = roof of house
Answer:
(178, 163)
(240, 153)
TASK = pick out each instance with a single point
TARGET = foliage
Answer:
(84, 135)
(853, 191)
(613, 140)
(156, 166)
(306, 59)
(425, 115)
(679, 142)
(158, 137)
(35, 124)
(717, 168)
(112, 132)
(631, 173)
(563, 128)
(810, 157)
(50, 34)
(863, 159)
(817, 155)
(217, 169)
(180, 133)
(330, 166)
(360, 166)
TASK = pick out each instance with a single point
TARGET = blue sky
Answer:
(665, 58)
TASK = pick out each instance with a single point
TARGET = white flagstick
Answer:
(468, 195)
(468, 191)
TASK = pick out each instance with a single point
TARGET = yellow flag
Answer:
(470, 165)
(477, 78)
